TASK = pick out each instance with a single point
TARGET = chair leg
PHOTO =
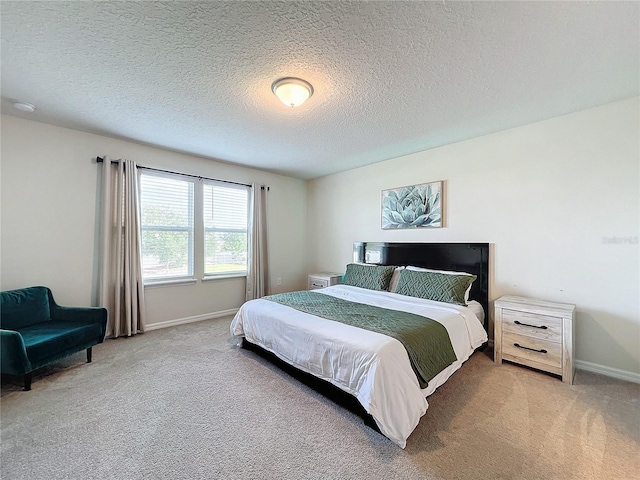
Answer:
(89, 355)
(27, 381)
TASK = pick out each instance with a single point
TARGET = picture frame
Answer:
(415, 206)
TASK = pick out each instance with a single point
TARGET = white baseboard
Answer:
(601, 369)
(608, 371)
(580, 364)
(195, 318)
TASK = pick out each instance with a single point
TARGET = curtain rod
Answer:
(101, 160)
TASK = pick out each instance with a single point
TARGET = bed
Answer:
(379, 368)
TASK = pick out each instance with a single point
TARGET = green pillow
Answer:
(373, 277)
(440, 287)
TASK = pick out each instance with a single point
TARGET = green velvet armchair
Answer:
(35, 331)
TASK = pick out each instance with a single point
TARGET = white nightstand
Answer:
(324, 279)
(535, 333)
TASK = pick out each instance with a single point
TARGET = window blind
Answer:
(166, 205)
(225, 228)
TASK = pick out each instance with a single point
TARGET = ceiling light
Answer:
(24, 107)
(291, 91)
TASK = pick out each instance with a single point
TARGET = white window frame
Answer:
(196, 244)
(245, 230)
(189, 277)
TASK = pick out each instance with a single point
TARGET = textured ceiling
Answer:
(390, 78)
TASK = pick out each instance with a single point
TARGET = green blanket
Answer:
(426, 341)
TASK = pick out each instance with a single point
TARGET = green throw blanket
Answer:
(426, 341)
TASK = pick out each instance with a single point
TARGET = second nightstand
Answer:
(535, 333)
(323, 279)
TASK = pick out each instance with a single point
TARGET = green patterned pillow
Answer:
(440, 287)
(373, 277)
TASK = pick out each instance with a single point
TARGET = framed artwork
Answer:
(417, 206)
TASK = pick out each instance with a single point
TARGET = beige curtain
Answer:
(121, 290)
(258, 264)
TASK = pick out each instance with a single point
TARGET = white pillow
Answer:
(394, 279)
(446, 272)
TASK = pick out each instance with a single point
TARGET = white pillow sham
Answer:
(396, 276)
(394, 279)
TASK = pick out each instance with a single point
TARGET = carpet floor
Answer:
(184, 403)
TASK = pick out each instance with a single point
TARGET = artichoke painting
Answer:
(412, 207)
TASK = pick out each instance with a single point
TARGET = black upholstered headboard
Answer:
(460, 257)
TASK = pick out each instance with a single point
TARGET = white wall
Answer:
(546, 195)
(49, 182)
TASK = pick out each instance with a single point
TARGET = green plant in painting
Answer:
(412, 207)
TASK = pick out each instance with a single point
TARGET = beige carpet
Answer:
(183, 403)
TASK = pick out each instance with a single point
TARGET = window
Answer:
(192, 227)
(166, 205)
(225, 228)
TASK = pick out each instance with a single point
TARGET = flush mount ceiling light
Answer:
(292, 91)
(24, 107)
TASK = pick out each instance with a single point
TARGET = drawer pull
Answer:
(542, 327)
(527, 348)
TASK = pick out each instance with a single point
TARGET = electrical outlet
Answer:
(279, 281)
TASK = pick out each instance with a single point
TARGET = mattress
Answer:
(371, 366)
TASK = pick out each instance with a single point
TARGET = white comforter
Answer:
(371, 366)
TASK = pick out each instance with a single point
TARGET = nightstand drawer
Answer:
(323, 279)
(315, 283)
(532, 325)
(534, 349)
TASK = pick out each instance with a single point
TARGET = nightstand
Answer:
(535, 333)
(324, 279)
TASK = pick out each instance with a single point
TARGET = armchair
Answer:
(35, 331)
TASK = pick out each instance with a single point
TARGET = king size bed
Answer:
(406, 318)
